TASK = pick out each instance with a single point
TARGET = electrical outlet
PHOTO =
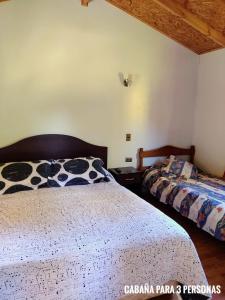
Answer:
(128, 159)
(128, 137)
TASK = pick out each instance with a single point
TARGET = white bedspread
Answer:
(87, 242)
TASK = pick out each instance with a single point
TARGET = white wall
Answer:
(59, 66)
(209, 133)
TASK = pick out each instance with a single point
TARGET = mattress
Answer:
(201, 200)
(88, 242)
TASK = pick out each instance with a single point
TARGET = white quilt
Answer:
(87, 242)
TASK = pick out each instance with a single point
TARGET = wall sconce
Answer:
(125, 80)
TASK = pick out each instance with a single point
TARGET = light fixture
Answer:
(125, 80)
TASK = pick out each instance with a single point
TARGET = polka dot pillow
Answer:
(77, 171)
(23, 176)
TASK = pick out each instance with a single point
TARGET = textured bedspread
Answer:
(201, 200)
(87, 242)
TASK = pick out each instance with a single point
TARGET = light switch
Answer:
(128, 137)
(128, 159)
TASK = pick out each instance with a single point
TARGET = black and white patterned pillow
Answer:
(23, 176)
(77, 171)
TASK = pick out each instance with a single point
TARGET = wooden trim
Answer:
(192, 20)
(51, 146)
(85, 2)
(165, 151)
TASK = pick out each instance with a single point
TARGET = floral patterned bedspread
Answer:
(201, 200)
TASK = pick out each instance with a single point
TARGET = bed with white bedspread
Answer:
(87, 242)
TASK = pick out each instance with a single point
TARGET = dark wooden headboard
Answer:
(165, 151)
(51, 146)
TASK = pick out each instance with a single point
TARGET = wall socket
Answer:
(128, 159)
(128, 137)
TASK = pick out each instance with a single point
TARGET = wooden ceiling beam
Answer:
(85, 2)
(191, 19)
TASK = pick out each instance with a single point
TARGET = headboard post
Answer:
(140, 166)
(192, 155)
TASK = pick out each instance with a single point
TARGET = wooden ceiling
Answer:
(197, 24)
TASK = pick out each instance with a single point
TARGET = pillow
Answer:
(23, 176)
(161, 163)
(77, 171)
(166, 168)
(180, 168)
(109, 176)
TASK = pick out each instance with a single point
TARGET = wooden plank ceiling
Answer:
(197, 24)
